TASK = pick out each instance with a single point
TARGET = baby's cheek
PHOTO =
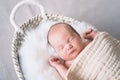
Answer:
(62, 55)
(80, 46)
(76, 44)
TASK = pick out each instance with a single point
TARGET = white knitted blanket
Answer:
(100, 60)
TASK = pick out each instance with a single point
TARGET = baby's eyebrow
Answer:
(71, 36)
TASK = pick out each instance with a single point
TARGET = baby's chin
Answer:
(73, 56)
(76, 53)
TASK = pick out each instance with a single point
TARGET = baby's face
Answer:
(66, 42)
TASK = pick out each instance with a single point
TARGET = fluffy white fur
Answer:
(35, 52)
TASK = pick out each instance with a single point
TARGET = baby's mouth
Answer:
(71, 52)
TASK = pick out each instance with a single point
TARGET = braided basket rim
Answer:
(20, 33)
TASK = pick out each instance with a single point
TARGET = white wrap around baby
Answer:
(100, 60)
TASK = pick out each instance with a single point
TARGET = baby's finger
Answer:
(51, 59)
(88, 31)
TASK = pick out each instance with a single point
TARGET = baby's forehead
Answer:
(56, 28)
(59, 26)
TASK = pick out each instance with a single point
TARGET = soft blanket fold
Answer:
(100, 60)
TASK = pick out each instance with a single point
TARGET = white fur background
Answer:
(35, 52)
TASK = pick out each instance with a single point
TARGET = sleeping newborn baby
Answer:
(67, 44)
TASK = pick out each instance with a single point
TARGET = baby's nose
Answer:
(68, 46)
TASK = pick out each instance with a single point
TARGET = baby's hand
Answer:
(54, 62)
(90, 34)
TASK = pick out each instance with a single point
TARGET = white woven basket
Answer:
(20, 31)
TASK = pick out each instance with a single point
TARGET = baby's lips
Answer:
(70, 52)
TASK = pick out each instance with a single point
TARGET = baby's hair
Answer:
(62, 23)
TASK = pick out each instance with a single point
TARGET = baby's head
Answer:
(65, 40)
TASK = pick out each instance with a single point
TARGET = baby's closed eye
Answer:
(71, 38)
